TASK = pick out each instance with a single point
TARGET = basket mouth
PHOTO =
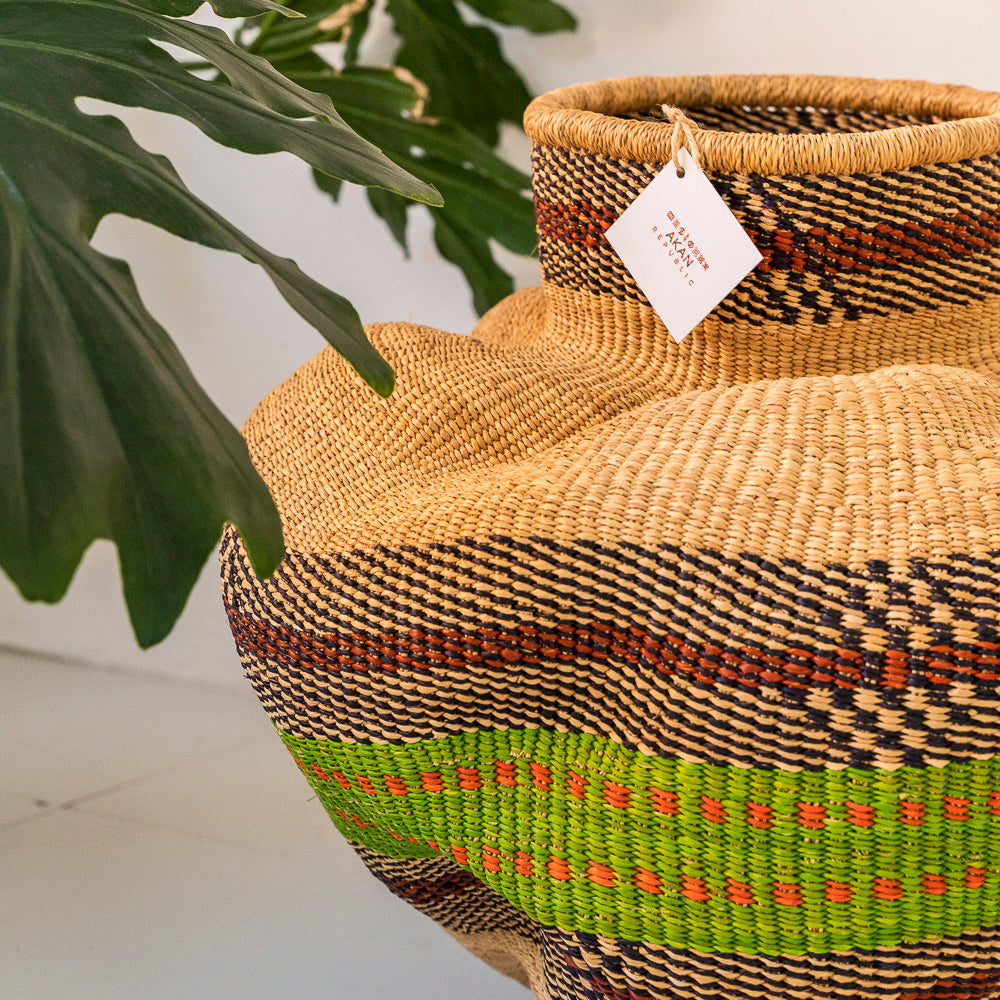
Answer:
(774, 124)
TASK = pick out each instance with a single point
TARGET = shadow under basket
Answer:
(655, 670)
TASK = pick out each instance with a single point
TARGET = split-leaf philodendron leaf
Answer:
(438, 114)
(104, 433)
(484, 195)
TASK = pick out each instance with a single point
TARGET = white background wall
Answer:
(240, 338)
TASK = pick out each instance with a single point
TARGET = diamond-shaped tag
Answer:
(682, 244)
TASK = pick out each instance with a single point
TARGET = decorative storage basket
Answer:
(664, 671)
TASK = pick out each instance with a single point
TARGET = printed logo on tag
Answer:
(683, 246)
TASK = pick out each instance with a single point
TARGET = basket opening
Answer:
(789, 121)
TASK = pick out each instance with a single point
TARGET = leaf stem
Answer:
(266, 26)
(277, 57)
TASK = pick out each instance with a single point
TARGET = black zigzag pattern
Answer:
(351, 676)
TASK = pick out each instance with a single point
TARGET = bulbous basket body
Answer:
(657, 670)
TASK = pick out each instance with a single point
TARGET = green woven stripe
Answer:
(585, 835)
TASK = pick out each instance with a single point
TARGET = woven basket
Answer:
(665, 671)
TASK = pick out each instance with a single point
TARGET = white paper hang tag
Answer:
(682, 244)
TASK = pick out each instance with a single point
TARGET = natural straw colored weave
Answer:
(670, 671)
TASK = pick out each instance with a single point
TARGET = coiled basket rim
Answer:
(583, 117)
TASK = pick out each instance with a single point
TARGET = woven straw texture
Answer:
(659, 671)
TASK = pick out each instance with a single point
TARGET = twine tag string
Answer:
(684, 136)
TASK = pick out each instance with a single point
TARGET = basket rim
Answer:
(582, 117)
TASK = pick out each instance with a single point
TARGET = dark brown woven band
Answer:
(716, 686)
(836, 249)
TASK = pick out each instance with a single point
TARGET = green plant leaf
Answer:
(380, 105)
(484, 195)
(535, 15)
(106, 434)
(331, 185)
(359, 25)
(377, 91)
(471, 252)
(391, 209)
(469, 80)
(224, 8)
(494, 211)
(317, 22)
(458, 71)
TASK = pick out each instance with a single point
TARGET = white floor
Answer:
(157, 841)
